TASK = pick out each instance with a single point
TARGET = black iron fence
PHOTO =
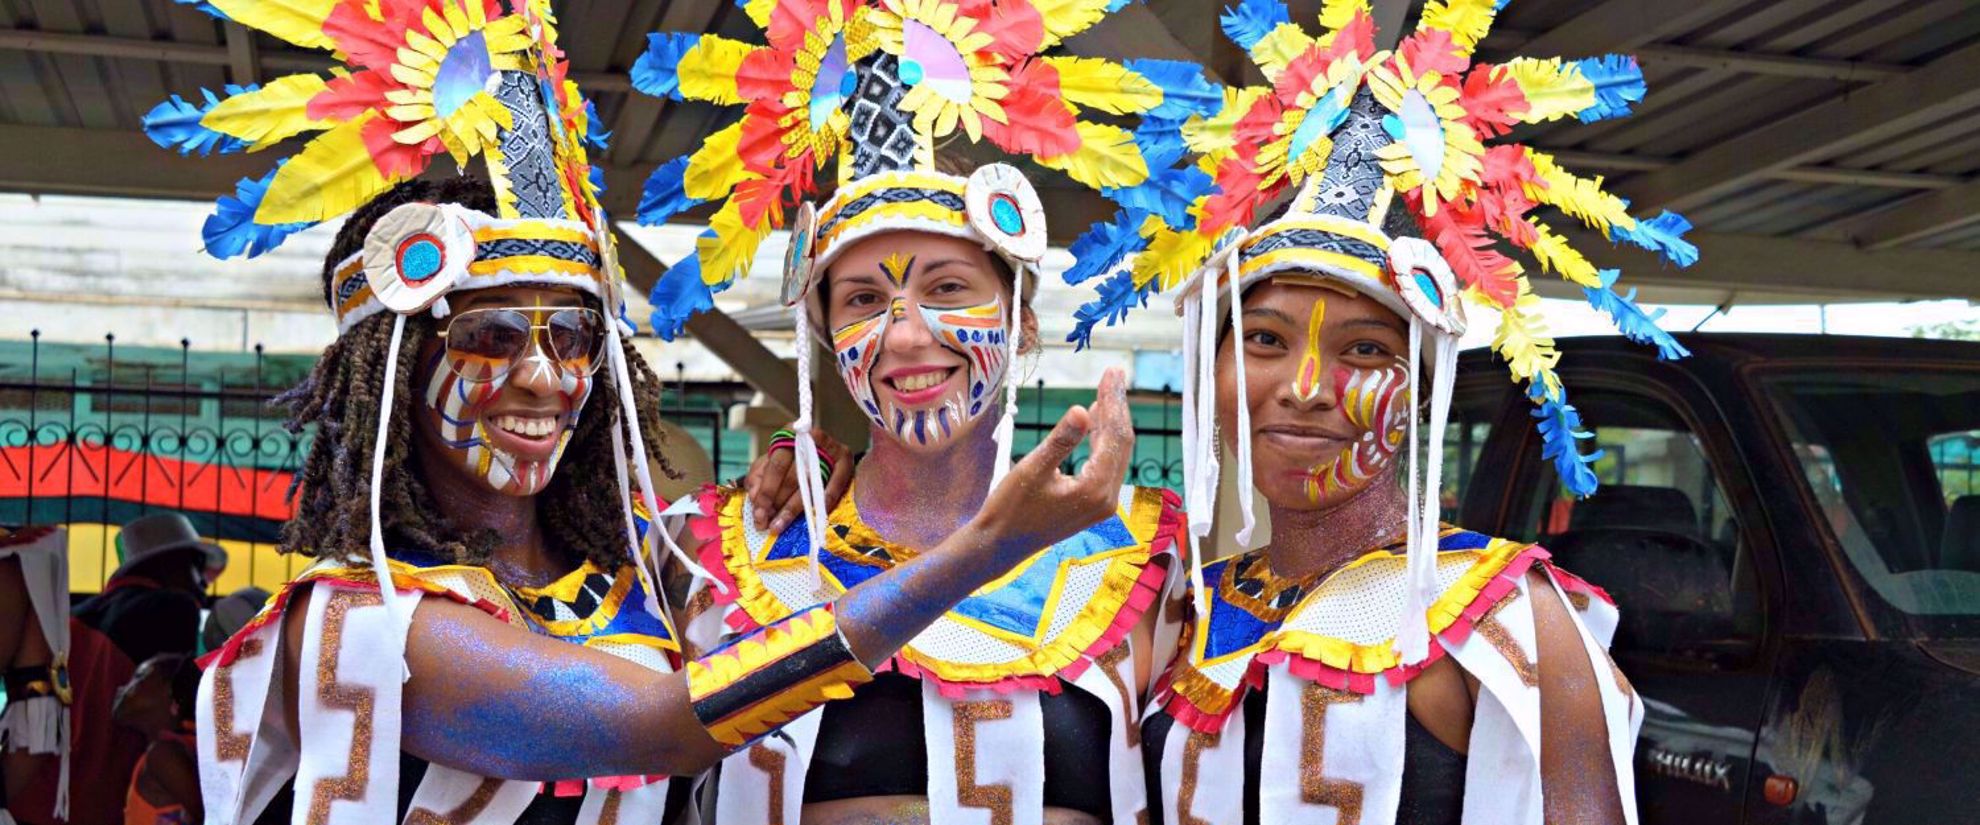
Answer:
(93, 437)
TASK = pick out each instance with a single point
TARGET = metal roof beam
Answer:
(1618, 25)
(1841, 175)
(1914, 219)
(172, 51)
(1819, 269)
(1507, 42)
(1933, 92)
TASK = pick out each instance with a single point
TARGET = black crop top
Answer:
(872, 745)
(1432, 782)
(545, 809)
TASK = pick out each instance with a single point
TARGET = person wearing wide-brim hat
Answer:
(151, 602)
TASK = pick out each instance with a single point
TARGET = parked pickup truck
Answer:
(1791, 525)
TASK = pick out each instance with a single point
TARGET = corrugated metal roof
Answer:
(75, 77)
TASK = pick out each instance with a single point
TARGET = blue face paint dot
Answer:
(911, 72)
(976, 389)
(975, 408)
(1004, 212)
(419, 260)
(1429, 287)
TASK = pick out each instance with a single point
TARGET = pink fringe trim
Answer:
(1186, 712)
(1576, 584)
(576, 787)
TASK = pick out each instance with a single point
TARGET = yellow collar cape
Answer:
(1042, 623)
(1255, 619)
(418, 79)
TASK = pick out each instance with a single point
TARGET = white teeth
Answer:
(920, 381)
(528, 427)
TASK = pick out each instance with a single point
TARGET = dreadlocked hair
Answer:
(341, 396)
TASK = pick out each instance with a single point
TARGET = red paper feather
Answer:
(1432, 51)
(395, 159)
(1037, 121)
(1492, 106)
(372, 44)
(1016, 30)
(1470, 253)
(764, 74)
(347, 97)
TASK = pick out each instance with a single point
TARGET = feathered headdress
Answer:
(419, 79)
(1395, 194)
(873, 86)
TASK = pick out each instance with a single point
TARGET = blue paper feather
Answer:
(1560, 428)
(1105, 245)
(1160, 140)
(231, 231)
(1118, 296)
(665, 194)
(175, 124)
(205, 8)
(1185, 91)
(678, 295)
(1618, 85)
(1631, 320)
(1251, 20)
(1663, 235)
(598, 179)
(595, 135)
(656, 72)
(1167, 193)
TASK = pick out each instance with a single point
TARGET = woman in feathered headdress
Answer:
(479, 638)
(1371, 661)
(1020, 703)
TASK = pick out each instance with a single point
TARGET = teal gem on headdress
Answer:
(911, 71)
(1004, 212)
(420, 259)
(1429, 287)
(1325, 116)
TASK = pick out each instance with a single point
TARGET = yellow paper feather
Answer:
(1204, 135)
(330, 177)
(1279, 47)
(1171, 258)
(1553, 89)
(1522, 340)
(759, 12)
(296, 21)
(708, 70)
(715, 169)
(1065, 18)
(1336, 14)
(1556, 255)
(727, 256)
(1467, 21)
(1105, 85)
(1106, 158)
(270, 114)
(1581, 197)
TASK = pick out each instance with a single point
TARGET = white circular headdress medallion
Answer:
(1004, 208)
(1426, 283)
(414, 254)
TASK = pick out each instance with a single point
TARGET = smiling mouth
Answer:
(534, 426)
(920, 382)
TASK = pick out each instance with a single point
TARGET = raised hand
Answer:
(1038, 504)
(772, 483)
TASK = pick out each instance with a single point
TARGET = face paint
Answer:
(1306, 381)
(977, 333)
(459, 403)
(1376, 403)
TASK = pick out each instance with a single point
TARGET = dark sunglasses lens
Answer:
(499, 334)
(576, 337)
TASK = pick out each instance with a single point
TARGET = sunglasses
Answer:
(485, 344)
